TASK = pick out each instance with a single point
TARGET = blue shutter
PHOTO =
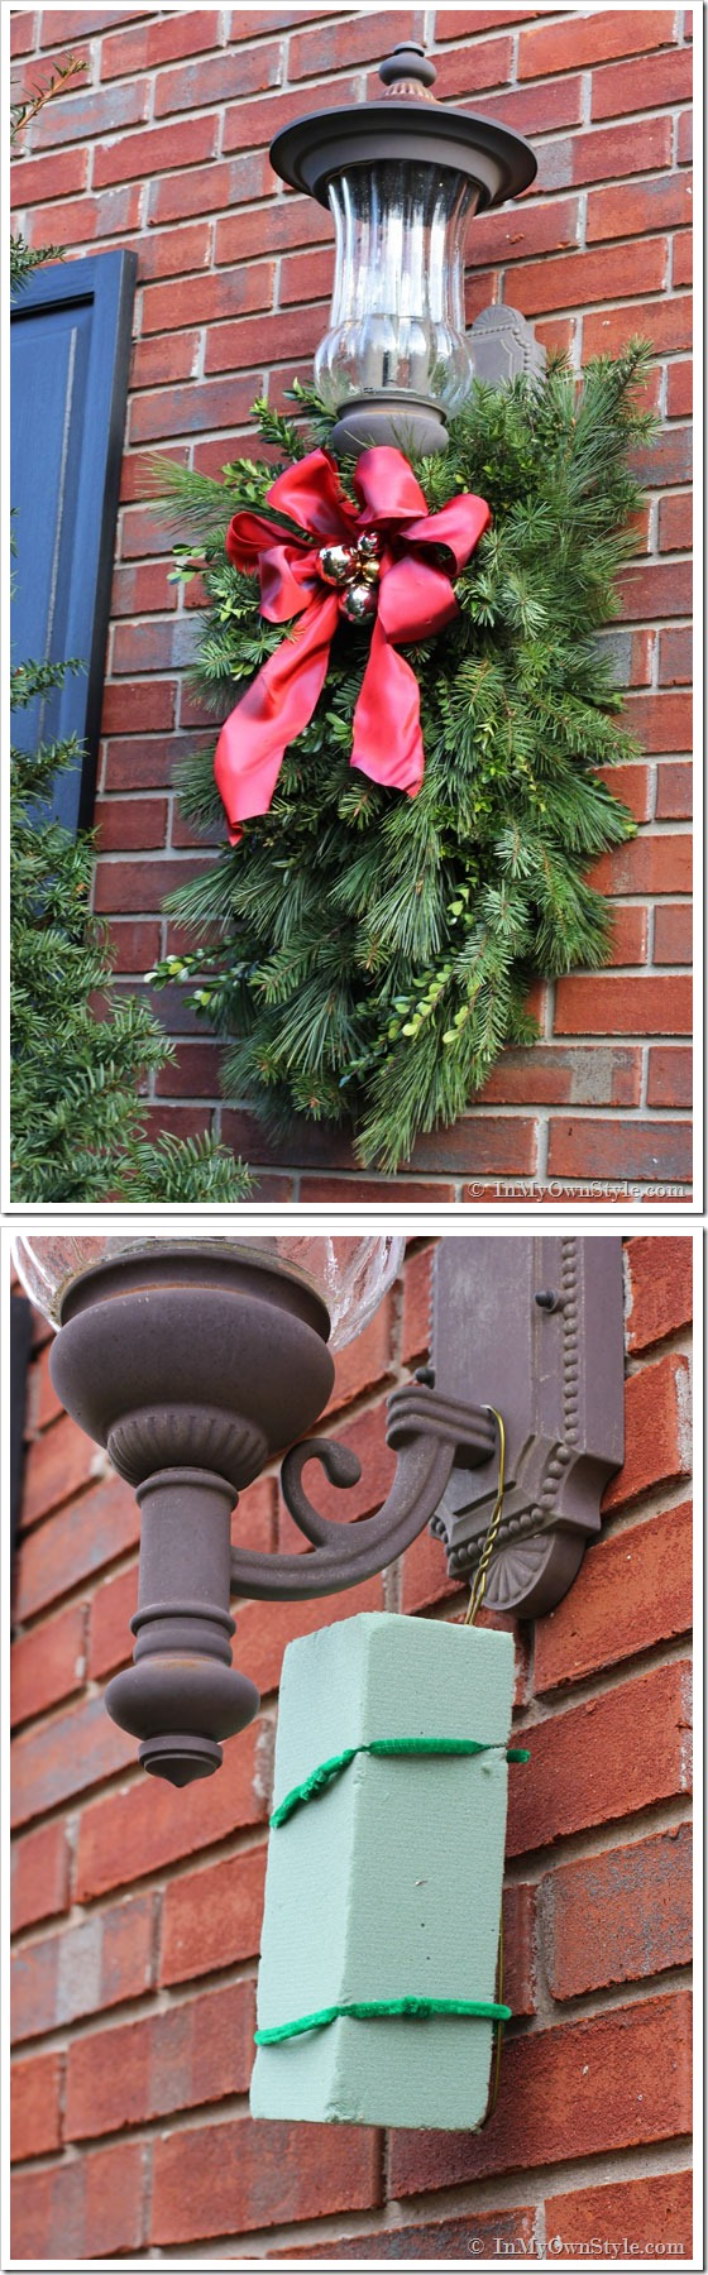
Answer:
(71, 331)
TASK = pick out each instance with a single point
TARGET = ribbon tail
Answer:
(388, 744)
(275, 709)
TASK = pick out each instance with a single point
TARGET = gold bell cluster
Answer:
(355, 571)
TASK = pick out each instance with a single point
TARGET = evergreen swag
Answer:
(375, 952)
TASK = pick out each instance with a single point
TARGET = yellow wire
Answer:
(480, 1581)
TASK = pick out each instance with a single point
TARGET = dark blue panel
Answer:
(70, 359)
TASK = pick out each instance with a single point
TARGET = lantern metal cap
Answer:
(405, 122)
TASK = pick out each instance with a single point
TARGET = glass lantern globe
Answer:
(402, 176)
(397, 324)
(349, 1275)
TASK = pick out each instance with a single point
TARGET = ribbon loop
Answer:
(415, 600)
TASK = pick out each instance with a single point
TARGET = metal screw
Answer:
(548, 1300)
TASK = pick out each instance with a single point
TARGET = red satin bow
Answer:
(414, 599)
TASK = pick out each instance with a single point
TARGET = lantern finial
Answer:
(408, 74)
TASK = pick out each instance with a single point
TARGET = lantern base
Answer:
(410, 423)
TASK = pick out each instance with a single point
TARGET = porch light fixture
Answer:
(402, 177)
(195, 1361)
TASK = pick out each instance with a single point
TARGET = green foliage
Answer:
(376, 952)
(80, 1051)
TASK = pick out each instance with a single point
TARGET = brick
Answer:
(491, 2233)
(159, 362)
(134, 885)
(155, 646)
(139, 156)
(81, 117)
(666, 463)
(58, 1464)
(200, 2051)
(666, 324)
(417, 1305)
(202, 300)
(376, 1189)
(23, 32)
(149, 707)
(124, 825)
(259, 340)
(579, 278)
(676, 657)
(87, 219)
(636, 209)
(75, 1751)
(95, 1963)
(659, 2205)
(662, 722)
(629, 939)
(188, 410)
(212, 1918)
(194, 1074)
(136, 592)
(465, 70)
(265, 1629)
(246, 129)
(583, 40)
(47, 1664)
(89, 2208)
(134, 947)
(660, 1288)
(333, 46)
(140, 1829)
(175, 252)
(222, 78)
(644, 85)
(517, 233)
(593, 1004)
(632, 1590)
(606, 1759)
(480, 1142)
(537, 109)
(34, 179)
(147, 44)
(682, 265)
(673, 934)
(35, 2116)
(553, 1075)
(96, 1528)
(648, 1150)
(679, 391)
(684, 139)
(275, 228)
(273, 2172)
(655, 865)
(604, 154)
(675, 524)
(670, 1081)
(658, 588)
(657, 1443)
(209, 189)
(39, 1875)
(620, 1916)
(631, 784)
(140, 533)
(581, 2088)
(111, 1642)
(44, 1405)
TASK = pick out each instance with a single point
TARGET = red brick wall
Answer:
(136, 1909)
(163, 146)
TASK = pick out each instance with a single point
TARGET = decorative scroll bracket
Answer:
(536, 1329)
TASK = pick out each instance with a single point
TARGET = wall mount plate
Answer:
(536, 1330)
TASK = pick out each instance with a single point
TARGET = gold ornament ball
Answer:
(358, 603)
(337, 563)
(368, 545)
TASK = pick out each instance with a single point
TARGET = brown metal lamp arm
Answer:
(430, 1433)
